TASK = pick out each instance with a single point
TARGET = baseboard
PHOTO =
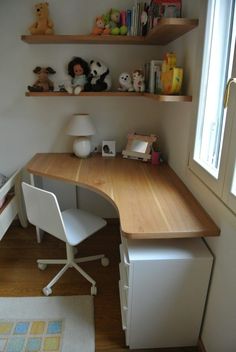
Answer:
(201, 346)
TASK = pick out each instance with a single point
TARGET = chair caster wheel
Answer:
(47, 291)
(42, 266)
(93, 290)
(105, 261)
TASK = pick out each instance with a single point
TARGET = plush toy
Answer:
(78, 69)
(125, 82)
(115, 25)
(43, 83)
(114, 21)
(138, 81)
(43, 24)
(99, 77)
(100, 26)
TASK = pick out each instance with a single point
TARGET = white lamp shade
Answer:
(80, 125)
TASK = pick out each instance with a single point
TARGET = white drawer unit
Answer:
(163, 288)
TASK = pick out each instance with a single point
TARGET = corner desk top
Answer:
(151, 200)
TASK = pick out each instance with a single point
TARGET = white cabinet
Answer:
(163, 288)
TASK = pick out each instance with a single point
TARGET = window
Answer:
(214, 121)
(233, 188)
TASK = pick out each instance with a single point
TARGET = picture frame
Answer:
(139, 146)
(108, 148)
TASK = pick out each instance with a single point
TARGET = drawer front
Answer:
(124, 284)
(123, 306)
(124, 246)
(125, 264)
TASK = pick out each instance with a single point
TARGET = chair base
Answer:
(69, 263)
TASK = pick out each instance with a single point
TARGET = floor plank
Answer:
(19, 276)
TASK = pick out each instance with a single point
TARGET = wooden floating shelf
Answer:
(167, 30)
(161, 98)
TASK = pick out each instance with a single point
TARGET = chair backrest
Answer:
(43, 210)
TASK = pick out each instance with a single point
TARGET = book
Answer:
(154, 84)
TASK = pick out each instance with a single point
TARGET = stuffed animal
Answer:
(115, 25)
(100, 26)
(99, 77)
(125, 82)
(43, 24)
(138, 81)
(43, 83)
(78, 69)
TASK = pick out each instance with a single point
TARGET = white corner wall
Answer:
(218, 332)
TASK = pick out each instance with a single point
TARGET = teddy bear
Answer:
(100, 26)
(125, 82)
(43, 24)
(43, 83)
(99, 78)
(138, 81)
(79, 70)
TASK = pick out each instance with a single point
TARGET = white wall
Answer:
(29, 125)
(218, 332)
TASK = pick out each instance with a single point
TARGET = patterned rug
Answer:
(47, 324)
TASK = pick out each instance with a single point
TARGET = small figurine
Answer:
(43, 83)
(125, 82)
(78, 69)
(138, 81)
(43, 24)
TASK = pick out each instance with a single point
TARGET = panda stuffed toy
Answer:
(99, 78)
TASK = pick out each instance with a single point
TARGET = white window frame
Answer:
(220, 184)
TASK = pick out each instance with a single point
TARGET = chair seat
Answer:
(80, 224)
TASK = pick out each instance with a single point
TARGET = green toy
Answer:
(112, 23)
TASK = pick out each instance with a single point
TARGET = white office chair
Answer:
(71, 226)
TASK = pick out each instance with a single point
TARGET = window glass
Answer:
(217, 66)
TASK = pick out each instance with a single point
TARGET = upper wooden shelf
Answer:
(167, 30)
(161, 98)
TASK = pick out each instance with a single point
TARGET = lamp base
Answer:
(82, 147)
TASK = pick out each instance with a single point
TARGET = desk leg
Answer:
(39, 232)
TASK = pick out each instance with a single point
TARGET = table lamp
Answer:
(82, 127)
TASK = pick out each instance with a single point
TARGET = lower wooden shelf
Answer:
(158, 97)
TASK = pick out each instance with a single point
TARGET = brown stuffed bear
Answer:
(43, 24)
(43, 83)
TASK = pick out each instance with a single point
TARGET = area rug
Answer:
(47, 324)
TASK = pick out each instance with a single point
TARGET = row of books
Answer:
(135, 18)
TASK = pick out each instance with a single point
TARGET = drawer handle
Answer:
(125, 261)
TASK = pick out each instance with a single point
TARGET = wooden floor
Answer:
(19, 276)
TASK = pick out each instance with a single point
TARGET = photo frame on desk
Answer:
(109, 148)
(139, 146)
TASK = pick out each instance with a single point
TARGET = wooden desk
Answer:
(151, 200)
